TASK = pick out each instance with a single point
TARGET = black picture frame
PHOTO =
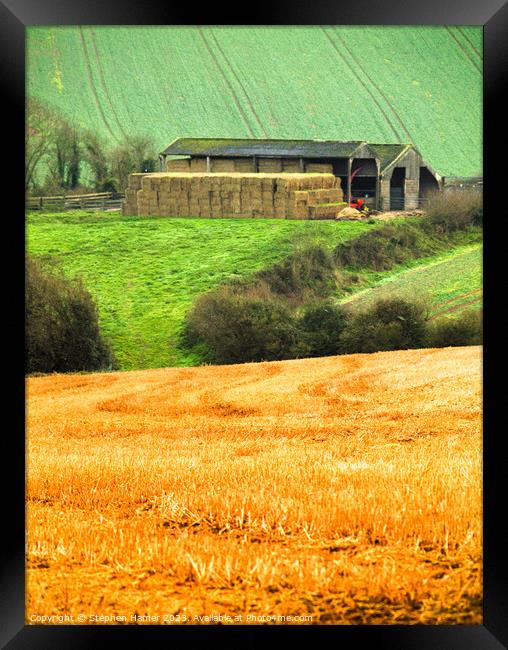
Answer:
(15, 16)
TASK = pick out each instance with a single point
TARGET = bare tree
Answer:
(143, 152)
(40, 128)
(94, 153)
(65, 155)
(135, 154)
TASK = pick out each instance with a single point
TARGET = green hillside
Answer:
(380, 84)
(452, 283)
(144, 274)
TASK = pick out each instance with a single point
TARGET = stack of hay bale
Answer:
(216, 165)
(269, 165)
(178, 165)
(222, 165)
(226, 195)
(245, 165)
(291, 166)
(319, 168)
(198, 165)
(130, 204)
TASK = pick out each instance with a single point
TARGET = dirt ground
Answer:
(386, 216)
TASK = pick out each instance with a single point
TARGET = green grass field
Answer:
(145, 272)
(451, 283)
(375, 83)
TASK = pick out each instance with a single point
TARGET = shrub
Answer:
(321, 327)
(233, 328)
(390, 324)
(477, 217)
(383, 248)
(452, 210)
(310, 269)
(61, 323)
(466, 329)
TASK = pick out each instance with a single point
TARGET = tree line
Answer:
(61, 156)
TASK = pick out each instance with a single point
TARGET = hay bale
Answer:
(301, 197)
(319, 168)
(216, 194)
(299, 212)
(323, 211)
(223, 165)
(134, 181)
(244, 165)
(324, 196)
(269, 165)
(290, 165)
(178, 165)
(198, 165)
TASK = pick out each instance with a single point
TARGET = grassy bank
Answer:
(145, 273)
(450, 281)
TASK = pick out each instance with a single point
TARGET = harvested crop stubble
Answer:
(345, 488)
(234, 194)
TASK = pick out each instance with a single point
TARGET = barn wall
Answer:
(428, 182)
(368, 166)
(384, 193)
(411, 193)
(411, 162)
(364, 152)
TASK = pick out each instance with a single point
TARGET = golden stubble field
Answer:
(343, 490)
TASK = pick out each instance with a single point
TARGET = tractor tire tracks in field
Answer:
(227, 81)
(450, 306)
(104, 84)
(367, 88)
(88, 66)
(470, 42)
(379, 90)
(244, 91)
(464, 49)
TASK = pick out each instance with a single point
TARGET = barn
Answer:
(387, 176)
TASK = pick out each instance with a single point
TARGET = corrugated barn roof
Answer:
(387, 153)
(250, 147)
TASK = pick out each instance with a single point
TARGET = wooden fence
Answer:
(98, 201)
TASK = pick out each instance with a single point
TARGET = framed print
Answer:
(256, 398)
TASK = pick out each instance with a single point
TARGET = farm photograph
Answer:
(253, 297)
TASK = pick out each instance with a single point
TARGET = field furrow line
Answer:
(92, 84)
(246, 96)
(104, 84)
(460, 297)
(452, 308)
(228, 83)
(374, 98)
(471, 44)
(374, 85)
(464, 49)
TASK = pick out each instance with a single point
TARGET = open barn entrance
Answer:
(428, 185)
(339, 168)
(397, 199)
(364, 181)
